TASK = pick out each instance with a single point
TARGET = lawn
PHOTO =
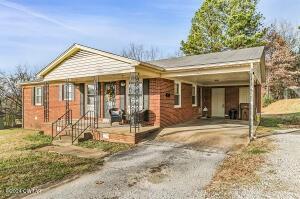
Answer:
(22, 168)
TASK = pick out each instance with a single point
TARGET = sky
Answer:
(34, 32)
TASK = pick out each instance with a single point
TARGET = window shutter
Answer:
(99, 99)
(73, 91)
(82, 99)
(60, 92)
(146, 94)
(42, 96)
(33, 96)
(122, 95)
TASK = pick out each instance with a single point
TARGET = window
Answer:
(38, 96)
(194, 95)
(68, 92)
(177, 94)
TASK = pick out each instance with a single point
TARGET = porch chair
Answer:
(116, 115)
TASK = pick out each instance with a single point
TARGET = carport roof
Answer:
(246, 54)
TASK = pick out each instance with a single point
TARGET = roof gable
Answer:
(77, 48)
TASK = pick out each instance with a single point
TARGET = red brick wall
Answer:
(34, 115)
(170, 115)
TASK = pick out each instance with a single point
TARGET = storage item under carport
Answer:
(233, 114)
(244, 110)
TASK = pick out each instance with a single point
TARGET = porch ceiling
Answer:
(237, 78)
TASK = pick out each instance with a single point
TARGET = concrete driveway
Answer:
(178, 164)
(221, 134)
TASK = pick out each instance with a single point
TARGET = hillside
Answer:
(283, 107)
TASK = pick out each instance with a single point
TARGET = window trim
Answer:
(194, 86)
(36, 96)
(179, 85)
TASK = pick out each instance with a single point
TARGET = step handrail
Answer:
(61, 123)
(82, 124)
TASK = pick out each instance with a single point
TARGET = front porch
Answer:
(122, 134)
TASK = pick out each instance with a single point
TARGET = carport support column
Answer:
(251, 108)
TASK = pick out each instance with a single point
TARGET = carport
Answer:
(208, 134)
(229, 80)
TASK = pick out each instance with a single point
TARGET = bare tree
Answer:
(140, 53)
(289, 32)
(10, 90)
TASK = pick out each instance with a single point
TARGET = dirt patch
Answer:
(153, 175)
(157, 174)
(239, 168)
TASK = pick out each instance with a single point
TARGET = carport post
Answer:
(251, 108)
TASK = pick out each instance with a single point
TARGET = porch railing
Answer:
(61, 123)
(83, 123)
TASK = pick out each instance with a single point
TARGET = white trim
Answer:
(196, 97)
(205, 66)
(179, 85)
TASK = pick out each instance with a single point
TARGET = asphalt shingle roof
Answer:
(211, 58)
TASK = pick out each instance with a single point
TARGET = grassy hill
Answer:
(285, 106)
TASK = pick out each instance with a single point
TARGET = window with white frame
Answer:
(177, 94)
(194, 95)
(38, 96)
(68, 92)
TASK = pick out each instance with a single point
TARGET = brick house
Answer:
(85, 83)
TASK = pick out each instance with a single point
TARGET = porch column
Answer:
(251, 108)
(134, 98)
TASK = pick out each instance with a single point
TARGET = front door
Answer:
(218, 102)
(109, 97)
(90, 97)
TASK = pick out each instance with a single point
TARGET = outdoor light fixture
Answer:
(123, 84)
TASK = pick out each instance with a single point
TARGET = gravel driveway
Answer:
(151, 170)
(280, 177)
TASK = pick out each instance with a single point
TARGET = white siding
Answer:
(244, 95)
(85, 64)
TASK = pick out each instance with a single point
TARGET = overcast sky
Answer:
(34, 32)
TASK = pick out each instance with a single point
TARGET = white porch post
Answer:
(251, 108)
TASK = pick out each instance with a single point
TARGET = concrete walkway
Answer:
(74, 150)
(152, 170)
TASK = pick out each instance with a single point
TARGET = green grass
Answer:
(21, 167)
(280, 120)
(38, 140)
(257, 151)
(38, 168)
(105, 146)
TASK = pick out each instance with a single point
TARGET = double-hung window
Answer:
(68, 92)
(38, 96)
(177, 94)
(194, 95)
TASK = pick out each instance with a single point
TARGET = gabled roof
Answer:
(75, 48)
(230, 56)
